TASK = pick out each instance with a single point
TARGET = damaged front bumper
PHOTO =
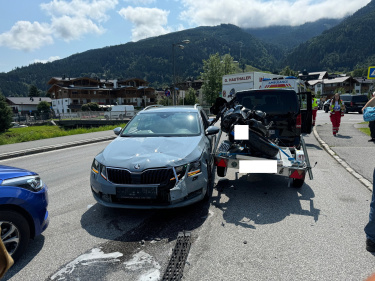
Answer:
(186, 191)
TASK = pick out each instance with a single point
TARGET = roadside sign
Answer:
(371, 72)
(167, 93)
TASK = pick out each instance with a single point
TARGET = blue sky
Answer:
(40, 31)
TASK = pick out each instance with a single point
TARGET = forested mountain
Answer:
(348, 45)
(288, 37)
(149, 59)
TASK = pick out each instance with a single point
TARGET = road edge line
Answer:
(346, 166)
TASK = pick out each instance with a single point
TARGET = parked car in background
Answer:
(119, 112)
(161, 159)
(23, 208)
(326, 105)
(354, 103)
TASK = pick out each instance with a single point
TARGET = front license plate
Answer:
(137, 192)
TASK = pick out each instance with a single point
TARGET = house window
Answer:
(319, 85)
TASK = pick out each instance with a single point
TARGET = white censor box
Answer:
(241, 132)
(258, 166)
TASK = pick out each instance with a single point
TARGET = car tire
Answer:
(221, 171)
(298, 182)
(13, 225)
(106, 117)
(262, 144)
(346, 111)
(121, 117)
(360, 111)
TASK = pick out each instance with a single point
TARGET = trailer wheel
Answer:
(262, 144)
(298, 182)
(221, 171)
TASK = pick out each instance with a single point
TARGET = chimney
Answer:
(115, 84)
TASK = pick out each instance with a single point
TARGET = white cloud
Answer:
(26, 36)
(140, 2)
(71, 28)
(95, 9)
(147, 22)
(258, 13)
(50, 59)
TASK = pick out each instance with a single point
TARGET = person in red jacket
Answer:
(337, 109)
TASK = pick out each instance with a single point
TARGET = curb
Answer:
(30, 151)
(347, 167)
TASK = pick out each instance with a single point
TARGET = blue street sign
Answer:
(167, 93)
(371, 72)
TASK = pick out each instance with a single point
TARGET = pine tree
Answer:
(5, 115)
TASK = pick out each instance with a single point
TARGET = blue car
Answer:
(23, 208)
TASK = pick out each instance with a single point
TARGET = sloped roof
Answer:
(27, 100)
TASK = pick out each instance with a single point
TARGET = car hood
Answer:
(7, 172)
(151, 152)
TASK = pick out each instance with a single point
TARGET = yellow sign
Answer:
(371, 72)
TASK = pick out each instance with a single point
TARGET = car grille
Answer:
(157, 176)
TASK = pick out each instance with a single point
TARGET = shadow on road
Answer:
(314, 146)
(262, 199)
(34, 247)
(344, 137)
(149, 224)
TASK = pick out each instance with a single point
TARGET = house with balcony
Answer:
(69, 94)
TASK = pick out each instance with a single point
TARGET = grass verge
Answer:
(365, 130)
(16, 135)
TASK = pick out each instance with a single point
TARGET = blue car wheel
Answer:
(15, 233)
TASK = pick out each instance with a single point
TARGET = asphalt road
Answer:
(254, 228)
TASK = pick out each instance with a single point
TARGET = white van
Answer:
(119, 112)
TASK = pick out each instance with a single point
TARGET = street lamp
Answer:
(179, 44)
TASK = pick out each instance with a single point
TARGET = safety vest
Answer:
(332, 106)
(314, 103)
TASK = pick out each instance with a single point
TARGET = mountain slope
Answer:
(288, 37)
(346, 46)
(149, 59)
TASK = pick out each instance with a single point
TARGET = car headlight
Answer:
(194, 168)
(98, 168)
(32, 183)
(180, 171)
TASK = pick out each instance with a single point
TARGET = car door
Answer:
(305, 102)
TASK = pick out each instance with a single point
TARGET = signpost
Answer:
(371, 72)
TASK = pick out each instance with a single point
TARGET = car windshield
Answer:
(272, 102)
(166, 124)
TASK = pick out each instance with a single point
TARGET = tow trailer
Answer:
(291, 162)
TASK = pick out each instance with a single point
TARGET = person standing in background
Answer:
(315, 107)
(371, 124)
(337, 109)
(370, 227)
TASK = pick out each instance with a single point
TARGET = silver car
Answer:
(161, 159)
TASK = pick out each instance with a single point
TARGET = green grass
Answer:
(16, 135)
(365, 130)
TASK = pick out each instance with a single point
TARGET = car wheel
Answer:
(298, 182)
(346, 111)
(121, 117)
(15, 233)
(107, 117)
(326, 110)
(221, 171)
(360, 111)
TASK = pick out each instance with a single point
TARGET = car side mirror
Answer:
(212, 130)
(117, 131)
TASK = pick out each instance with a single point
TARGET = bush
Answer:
(91, 106)
(5, 115)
